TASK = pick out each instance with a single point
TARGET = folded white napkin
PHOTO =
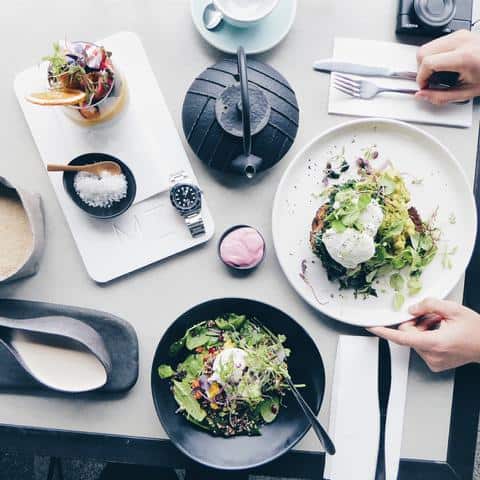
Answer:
(354, 412)
(402, 107)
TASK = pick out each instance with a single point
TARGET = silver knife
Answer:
(329, 65)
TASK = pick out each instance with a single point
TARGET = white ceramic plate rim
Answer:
(248, 51)
(298, 158)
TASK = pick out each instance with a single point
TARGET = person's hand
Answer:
(457, 52)
(445, 334)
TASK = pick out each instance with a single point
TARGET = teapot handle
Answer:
(242, 73)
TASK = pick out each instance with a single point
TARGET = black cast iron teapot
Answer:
(240, 116)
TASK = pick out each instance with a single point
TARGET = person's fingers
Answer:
(442, 97)
(418, 324)
(442, 44)
(409, 325)
(428, 321)
(452, 61)
(410, 337)
(434, 362)
(443, 308)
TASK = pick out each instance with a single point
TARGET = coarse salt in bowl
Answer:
(100, 190)
(105, 196)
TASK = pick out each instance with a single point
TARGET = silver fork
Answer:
(363, 88)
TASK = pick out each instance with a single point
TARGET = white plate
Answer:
(411, 150)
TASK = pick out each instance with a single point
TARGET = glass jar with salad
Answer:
(83, 79)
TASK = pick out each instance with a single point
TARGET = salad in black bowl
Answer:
(233, 378)
(219, 382)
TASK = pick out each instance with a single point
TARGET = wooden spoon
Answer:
(95, 168)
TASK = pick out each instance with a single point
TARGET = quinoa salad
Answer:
(233, 375)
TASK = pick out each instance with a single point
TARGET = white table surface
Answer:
(152, 298)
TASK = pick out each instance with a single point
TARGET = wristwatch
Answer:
(186, 198)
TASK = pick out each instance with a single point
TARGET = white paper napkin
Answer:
(402, 107)
(354, 412)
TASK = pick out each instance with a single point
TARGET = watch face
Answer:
(185, 197)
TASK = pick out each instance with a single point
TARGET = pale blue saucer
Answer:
(256, 39)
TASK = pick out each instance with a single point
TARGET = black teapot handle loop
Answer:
(242, 73)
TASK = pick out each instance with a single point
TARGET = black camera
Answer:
(434, 18)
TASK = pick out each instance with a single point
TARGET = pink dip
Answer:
(244, 247)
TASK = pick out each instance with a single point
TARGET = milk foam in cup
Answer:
(245, 13)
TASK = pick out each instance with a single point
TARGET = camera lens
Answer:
(435, 13)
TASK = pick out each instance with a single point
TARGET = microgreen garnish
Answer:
(397, 282)
(414, 285)
(447, 255)
(417, 181)
(364, 162)
(303, 276)
(398, 301)
(335, 167)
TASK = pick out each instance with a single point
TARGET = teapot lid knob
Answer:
(242, 106)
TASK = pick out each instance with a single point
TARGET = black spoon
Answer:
(321, 433)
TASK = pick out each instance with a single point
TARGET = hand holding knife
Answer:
(439, 80)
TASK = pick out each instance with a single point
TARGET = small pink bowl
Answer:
(244, 269)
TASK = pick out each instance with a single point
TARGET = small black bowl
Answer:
(241, 452)
(116, 208)
(240, 270)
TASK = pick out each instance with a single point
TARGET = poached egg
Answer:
(349, 248)
(230, 356)
(352, 247)
(371, 218)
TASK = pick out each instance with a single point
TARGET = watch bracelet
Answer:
(195, 224)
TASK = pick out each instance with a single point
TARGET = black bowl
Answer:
(116, 208)
(242, 452)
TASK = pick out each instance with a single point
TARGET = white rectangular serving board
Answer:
(145, 138)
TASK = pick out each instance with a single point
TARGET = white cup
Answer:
(245, 13)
